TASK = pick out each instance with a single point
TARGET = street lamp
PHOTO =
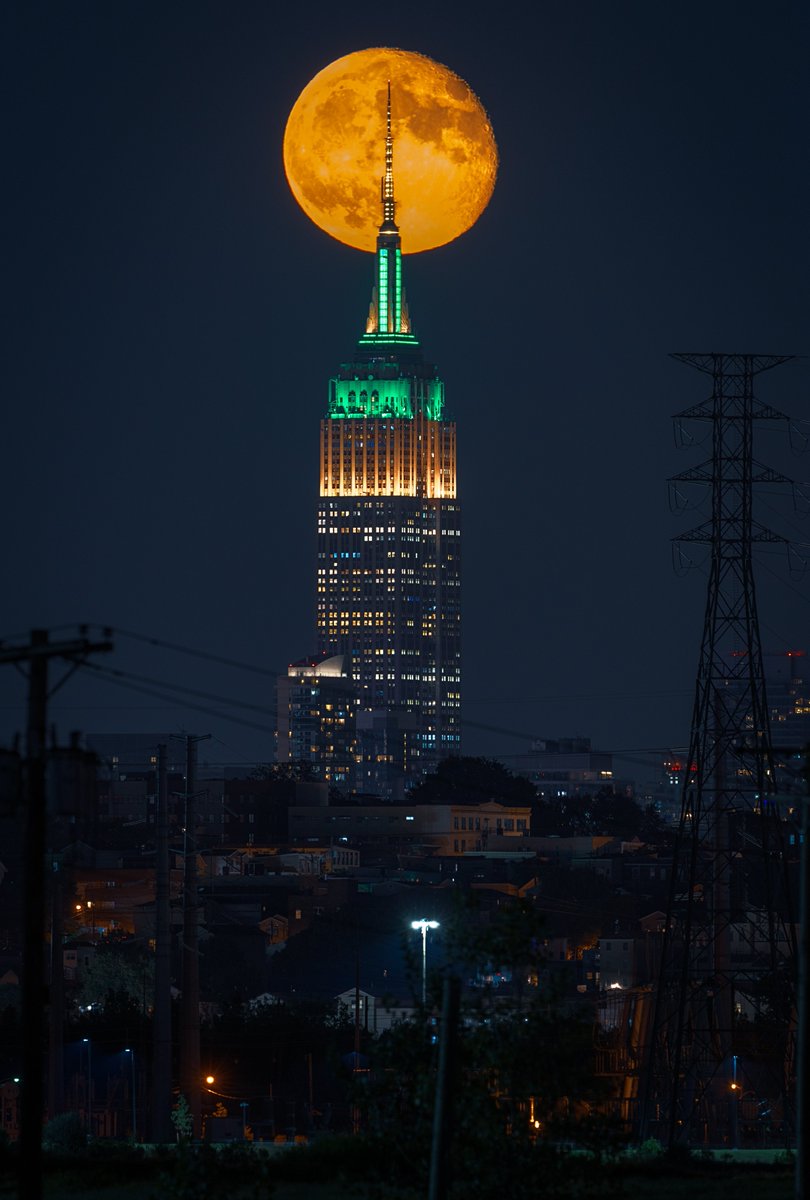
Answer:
(424, 925)
(131, 1054)
(734, 1101)
(86, 1041)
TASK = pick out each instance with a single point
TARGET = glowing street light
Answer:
(424, 925)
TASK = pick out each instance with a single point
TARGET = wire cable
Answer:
(134, 687)
(203, 654)
(179, 687)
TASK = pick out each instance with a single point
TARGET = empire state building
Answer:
(389, 544)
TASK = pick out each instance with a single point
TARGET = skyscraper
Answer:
(389, 534)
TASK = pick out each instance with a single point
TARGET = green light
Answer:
(398, 291)
(434, 401)
(402, 398)
(388, 339)
(382, 257)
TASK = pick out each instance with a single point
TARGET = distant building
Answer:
(247, 812)
(127, 785)
(787, 685)
(374, 1014)
(317, 719)
(566, 767)
(438, 829)
(390, 751)
(616, 961)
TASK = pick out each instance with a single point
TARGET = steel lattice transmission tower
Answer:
(725, 998)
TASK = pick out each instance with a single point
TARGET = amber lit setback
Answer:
(389, 458)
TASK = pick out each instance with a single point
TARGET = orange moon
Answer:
(445, 156)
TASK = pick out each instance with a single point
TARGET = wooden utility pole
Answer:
(38, 654)
(446, 1086)
(190, 1027)
(162, 1003)
(56, 994)
(803, 1003)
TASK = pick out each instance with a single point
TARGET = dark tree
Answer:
(523, 1079)
(466, 780)
(292, 772)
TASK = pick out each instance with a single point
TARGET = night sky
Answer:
(173, 318)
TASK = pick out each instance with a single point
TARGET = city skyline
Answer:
(176, 317)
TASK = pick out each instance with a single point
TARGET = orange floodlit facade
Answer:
(393, 457)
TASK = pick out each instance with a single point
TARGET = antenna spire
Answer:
(388, 203)
(388, 317)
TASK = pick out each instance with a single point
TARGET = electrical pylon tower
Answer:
(723, 1015)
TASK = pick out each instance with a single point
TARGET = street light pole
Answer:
(89, 1046)
(131, 1054)
(424, 925)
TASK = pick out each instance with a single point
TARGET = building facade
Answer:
(316, 725)
(566, 767)
(389, 532)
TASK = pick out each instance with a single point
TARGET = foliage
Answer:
(463, 779)
(604, 814)
(115, 976)
(117, 834)
(65, 1134)
(523, 1079)
(648, 1151)
(511, 937)
(299, 771)
(227, 966)
(267, 1043)
(339, 1156)
(10, 998)
(202, 1173)
(182, 1120)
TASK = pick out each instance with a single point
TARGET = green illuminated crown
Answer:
(389, 377)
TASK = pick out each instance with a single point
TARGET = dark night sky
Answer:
(173, 319)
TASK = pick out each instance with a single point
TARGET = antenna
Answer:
(388, 203)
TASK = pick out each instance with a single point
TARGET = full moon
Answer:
(445, 157)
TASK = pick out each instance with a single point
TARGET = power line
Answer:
(567, 698)
(134, 687)
(203, 654)
(179, 687)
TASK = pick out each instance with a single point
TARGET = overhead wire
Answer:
(134, 687)
(194, 653)
(179, 687)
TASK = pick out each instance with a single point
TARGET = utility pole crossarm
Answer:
(43, 648)
(38, 654)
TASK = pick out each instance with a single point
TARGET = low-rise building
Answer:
(376, 1013)
(441, 829)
